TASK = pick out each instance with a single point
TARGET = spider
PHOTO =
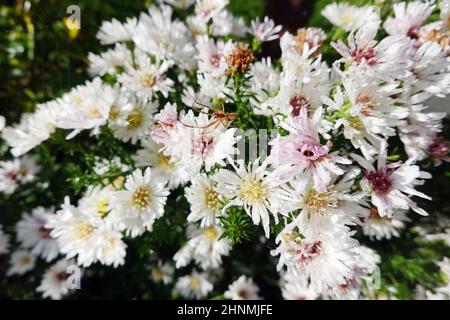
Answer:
(220, 116)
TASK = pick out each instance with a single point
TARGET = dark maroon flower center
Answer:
(215, 60)
(297, 103)
(45, 232)
(439, 147)
(308, 252)
(366, 55)
(10, 175)
(379, 181)
(62, 276)
(308, 153)
(413, 33)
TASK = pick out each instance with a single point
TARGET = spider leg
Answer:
(203, 105)
(188, 125)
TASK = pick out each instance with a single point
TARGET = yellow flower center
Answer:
(164, 162)
(114, 113)
(210, 233)
(195, 282)
(25, 260)
(118, 182)
(93, 112)
(293, 236)
(356, 123)
(319, 201)
(347, 18)
(22, 172)
(141, 197)
(102, 207)
(252, 191)
(135, 118)
(211, 198)
(157, 274)
(147, 80)
(83, 230)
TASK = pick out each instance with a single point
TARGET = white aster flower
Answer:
(430, 73)
(108, 61)
(295, 94)
(34, 236)
(370, 114)
(166, 121)
(363, 282)
(54, 283)
(162, 165)
(21, 262)
(209, 8)
(75, 233)
(350, 17)
(111, 248)
(144, 78)
(204, 246)
(296, 287)
(16, 172)
(96, 204)
(300, 61)
(305, 39)
(114, 31)
(85, 235)
(264, 82)
(242, 289)
(225, 24)
(204, 199)
(103, 166)
(140, 203)
(388, 59)
(211, 56)
(377, 227)
(420, 131)
(197, 26)
(86, 107)
(326, 258)
(391, 185)
(134, 120)
(265, 30)
(198, 140)
(408, 17)
(334, 205)
(166, 38)
(195, 286)
(33, 129)
(212, 87)
(252, 187)
(162, 272)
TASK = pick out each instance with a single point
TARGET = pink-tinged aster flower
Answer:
(166, 120)
(388, 59)
(302, 152)
(391, 185)
(408, 18)
(439, 151)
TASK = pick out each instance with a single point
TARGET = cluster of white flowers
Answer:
(180, 84)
